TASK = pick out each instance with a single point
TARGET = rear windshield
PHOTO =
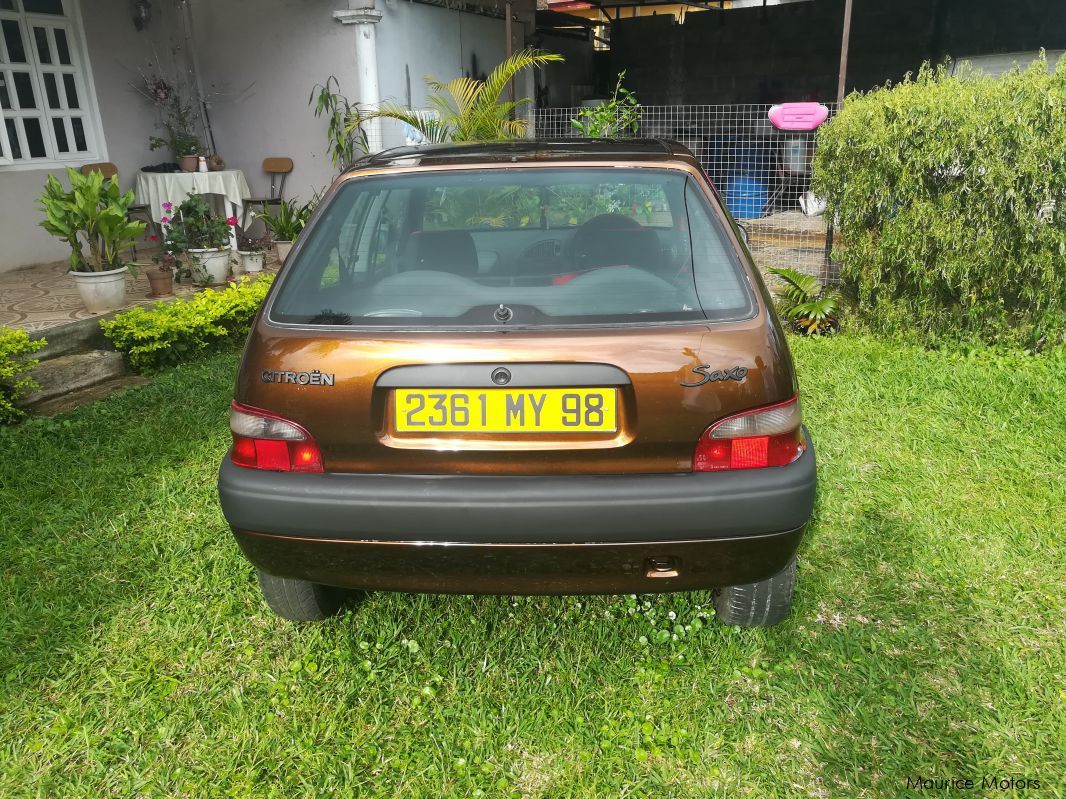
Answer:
(514, 247)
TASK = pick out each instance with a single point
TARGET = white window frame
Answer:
(96, 150)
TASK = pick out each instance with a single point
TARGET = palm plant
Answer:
(465, 109)
(811, 307)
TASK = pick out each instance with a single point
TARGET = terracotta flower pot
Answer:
(161, 281)
(188, 163)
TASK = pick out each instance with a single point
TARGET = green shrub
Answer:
(809, 307)
(165, 334)
(950, 197)
(617, 117)
(15, 348)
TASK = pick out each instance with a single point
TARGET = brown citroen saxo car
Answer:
(525, 367)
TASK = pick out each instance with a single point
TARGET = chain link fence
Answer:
(763, 174)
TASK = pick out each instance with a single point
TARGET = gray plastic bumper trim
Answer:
(520, 509)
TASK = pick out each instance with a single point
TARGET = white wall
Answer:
(116, 51)
(260, 59)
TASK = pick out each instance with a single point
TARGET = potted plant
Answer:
(93, 214)
(179, 134)
(285, 224)
(252, 252)
(195, 230)
(161, 274)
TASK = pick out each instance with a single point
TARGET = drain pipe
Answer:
(364, 16)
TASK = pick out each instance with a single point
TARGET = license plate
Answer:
(543, 410)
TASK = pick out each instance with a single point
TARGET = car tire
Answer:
(299, 600)
(761, 604)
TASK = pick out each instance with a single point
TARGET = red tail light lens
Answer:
(262, 440)
(770, 436)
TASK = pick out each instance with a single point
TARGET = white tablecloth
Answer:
(155, 188)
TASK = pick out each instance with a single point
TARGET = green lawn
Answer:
(136, 658)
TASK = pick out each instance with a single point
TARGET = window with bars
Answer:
(47, 113)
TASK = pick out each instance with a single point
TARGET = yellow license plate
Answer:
(505, 410)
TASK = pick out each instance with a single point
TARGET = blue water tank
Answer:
(746, 196)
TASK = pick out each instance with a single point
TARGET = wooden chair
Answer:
(140, 211)
(278, 168)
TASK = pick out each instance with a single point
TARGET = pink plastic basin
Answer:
(798, 116)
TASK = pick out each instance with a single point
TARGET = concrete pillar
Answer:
(364, 16)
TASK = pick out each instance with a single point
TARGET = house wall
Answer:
(260, 59)
(416, 40)
(116, 52)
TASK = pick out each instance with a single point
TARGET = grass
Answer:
(136, 658)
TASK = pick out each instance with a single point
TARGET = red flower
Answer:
(153, 237)
(165, 220)
(231, 221)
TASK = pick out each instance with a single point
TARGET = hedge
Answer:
(167, 333)
(15, 349)
(949, 193)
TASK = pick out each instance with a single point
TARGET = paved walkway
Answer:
(44, 296)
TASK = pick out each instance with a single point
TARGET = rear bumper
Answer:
(477, 534)
(627, 568)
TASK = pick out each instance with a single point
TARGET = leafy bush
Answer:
(950, 196)
(15, 348)
(617, 117)
(166, 334)
(346, 143)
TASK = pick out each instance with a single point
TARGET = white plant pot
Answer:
(102, 291)
(252, 261)
(210, 267)
(283, 249)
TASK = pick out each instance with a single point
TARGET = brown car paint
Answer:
(660, 419)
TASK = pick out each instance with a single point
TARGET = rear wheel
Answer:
(760, 604)
(299, 600)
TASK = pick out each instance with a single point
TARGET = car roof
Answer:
(550, 151)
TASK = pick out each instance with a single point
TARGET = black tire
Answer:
(761, 604)
(299, 600)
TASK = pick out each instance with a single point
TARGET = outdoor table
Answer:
(155, 188)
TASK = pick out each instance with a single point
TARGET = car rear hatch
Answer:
(524, 321)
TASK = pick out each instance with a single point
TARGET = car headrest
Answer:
(615, 240)
(443, 251)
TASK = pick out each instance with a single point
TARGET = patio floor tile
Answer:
(44, 296)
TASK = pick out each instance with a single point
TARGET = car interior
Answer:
(408, 249)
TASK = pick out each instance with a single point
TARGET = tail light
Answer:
(770, 436)
(263, 440)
